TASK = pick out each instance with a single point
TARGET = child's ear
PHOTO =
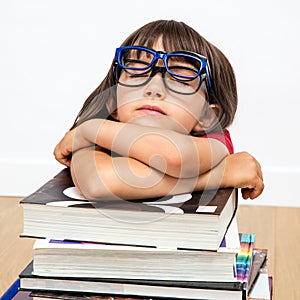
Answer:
(209, 118)
(217, 109)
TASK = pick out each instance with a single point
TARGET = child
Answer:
(156, 125)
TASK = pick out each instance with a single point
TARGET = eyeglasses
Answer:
(183, 71)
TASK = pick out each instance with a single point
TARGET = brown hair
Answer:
(175, 36)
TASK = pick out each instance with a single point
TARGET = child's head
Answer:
(173, 36)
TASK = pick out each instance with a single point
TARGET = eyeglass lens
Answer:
(180, 75)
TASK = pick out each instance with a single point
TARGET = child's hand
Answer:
(63, 149)
(243, 171)
(71, 142)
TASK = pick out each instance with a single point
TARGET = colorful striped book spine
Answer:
(244, 258)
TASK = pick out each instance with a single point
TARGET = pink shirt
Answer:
(223, 138)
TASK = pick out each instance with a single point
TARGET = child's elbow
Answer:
(93, 189)
(183, 166)
(91, 193)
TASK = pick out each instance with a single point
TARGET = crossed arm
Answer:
(181, 163)
(172, 152)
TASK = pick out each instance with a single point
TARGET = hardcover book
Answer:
(233, 290)
(188, 221)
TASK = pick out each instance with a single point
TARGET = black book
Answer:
(95, 288)
(188, 221)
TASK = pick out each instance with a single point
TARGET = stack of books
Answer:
(183, 246)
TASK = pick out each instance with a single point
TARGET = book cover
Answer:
(60, 191)
(193, 221)
(263, 287)
(259, 260)
(80, 296)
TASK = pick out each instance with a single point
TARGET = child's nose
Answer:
(155, 88)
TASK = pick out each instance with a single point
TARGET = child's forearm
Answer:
(176, 154)
(99, 176)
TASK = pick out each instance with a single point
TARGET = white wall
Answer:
(54, 53)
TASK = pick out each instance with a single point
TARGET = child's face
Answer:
(155, 101)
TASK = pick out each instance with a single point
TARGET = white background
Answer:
(55, 52)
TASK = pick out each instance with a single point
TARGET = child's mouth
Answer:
(151, 110)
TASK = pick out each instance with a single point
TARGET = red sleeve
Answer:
(223, 138)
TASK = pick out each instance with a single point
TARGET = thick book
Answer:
(188, 221)
(262, 291)
(233, 290)
(64, 258)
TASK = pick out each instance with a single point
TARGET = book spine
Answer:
(244, 258)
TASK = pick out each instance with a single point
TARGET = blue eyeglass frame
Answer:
(164, 56)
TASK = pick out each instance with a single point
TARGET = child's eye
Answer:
(138, 75)
(179, 82)
(183, 71)
(135, 64)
